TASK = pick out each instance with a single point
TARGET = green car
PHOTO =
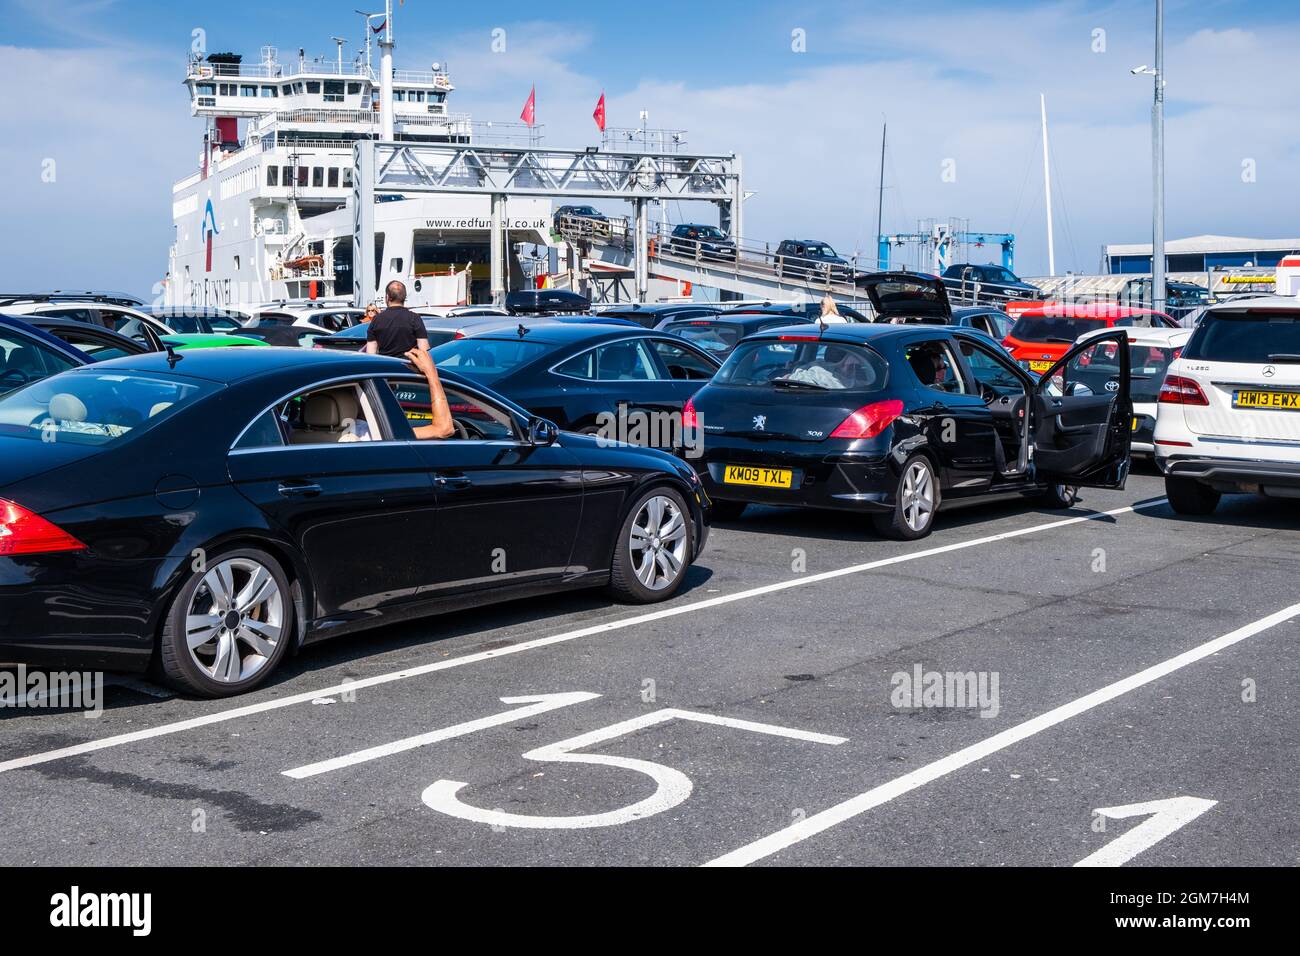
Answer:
(204, 340)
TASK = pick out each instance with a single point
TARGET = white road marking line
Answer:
(247, 710)
(537, 704)
(818, 822)
(1165, 817)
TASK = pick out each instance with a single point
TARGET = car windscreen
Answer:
(96, 407)
(184, 324)
(716, 337)
(1147, 367)
(795, 362)
(1053, 328)
(485, 358)
(1252, 336)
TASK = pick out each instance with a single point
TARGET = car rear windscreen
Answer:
(1053, 328)
(485, 358)
(95, 408)
(796, 363)
(1254, 336)
(718, 337)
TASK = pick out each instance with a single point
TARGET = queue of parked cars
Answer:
(113, 419)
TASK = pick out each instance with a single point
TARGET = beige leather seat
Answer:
(323, 417)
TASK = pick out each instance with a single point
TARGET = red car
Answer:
(1044, 333)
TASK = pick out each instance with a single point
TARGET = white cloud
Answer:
(962, 86)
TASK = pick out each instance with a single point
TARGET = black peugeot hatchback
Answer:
(897, 421)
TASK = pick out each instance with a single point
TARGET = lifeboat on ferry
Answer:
(305, 263)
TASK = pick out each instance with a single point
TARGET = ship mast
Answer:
(386, 76)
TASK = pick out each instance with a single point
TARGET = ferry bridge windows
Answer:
(248, 90)
(354, 89)
(273, 175)
(302, 177)
(313, 86)
(333, 91)
(287, 89)
(399, 96)
(269, 91)
(205, 89)
(334, 177)
(347, 176)
(318, 176)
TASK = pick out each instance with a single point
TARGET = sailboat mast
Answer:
(1047, 186)
(880, 197)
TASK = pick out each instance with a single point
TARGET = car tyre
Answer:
(1058, 496)
(241, 602)
(1187, 496)
(727, 510)
(654, 546)
(916, 500)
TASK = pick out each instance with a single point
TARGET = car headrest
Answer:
(24, 359)
(65, 407)
(159, 408)
(329, 409)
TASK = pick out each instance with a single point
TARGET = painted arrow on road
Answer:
(1167, 816)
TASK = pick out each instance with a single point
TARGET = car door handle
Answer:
(452, 481)
(299, 490)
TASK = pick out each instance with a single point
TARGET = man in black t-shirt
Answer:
(397, 329)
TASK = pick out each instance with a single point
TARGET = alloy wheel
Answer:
(235, 620)
(658, 542)
(918, 496)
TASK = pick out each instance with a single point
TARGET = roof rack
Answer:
(62, 295)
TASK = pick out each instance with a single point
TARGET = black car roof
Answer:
(965, 310)
(233, 365)
(656, 307)
(859, 331)
(565, 333)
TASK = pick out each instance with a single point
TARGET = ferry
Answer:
(268, 215)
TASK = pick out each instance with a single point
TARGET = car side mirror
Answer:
(541, 431)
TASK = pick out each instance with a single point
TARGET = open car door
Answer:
(1083, 417)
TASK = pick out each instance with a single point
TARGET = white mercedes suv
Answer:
(1229, 416)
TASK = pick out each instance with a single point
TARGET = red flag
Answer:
(599, 115)
(529, 115)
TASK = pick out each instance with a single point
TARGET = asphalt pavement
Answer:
(1113, 684)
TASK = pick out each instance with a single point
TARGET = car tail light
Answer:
(1177, 390)
(458, 335)
(869, 420)
(22, 532)
(799, 338)
(689, 418)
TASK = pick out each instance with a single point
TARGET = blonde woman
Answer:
(830, 311)
(372, 310)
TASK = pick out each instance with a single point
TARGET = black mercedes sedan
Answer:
(898, 421)
(205, 514)
(582, 375)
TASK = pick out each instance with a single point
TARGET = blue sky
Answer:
(95, 87)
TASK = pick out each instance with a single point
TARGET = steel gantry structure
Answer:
(636, 176)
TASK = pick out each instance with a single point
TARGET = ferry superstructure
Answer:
(266, 216)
